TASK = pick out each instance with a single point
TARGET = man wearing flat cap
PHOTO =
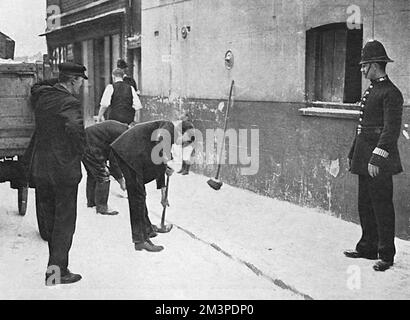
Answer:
(54, 164)
(375, 158)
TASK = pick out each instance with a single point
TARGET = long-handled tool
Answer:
(164, 228)
(216, 184)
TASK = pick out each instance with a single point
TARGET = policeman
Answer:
(54, 158)
(375, 158)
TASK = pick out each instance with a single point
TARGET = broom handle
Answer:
(166, 198)
(225, 127)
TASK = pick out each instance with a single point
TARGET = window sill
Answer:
(331, 110)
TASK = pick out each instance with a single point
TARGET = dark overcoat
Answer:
(138, 148)
(58, 143)
(98, 151)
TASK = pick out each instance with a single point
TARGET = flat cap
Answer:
(73, 69)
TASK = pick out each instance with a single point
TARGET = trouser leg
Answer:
(136, 201)
(148, 224)
(381, 193)
(90, 191)
(98, 182)
(369, 240)
(65, 217)
(102, 192)
(45, 205)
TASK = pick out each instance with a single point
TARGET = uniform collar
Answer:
(380, 80)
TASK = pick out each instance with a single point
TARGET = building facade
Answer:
(7, 46)
(295, 65)
(96, 34)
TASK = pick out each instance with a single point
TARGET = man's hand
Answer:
(164, 200)
(169, 171)
(374, 171)
(122, 184)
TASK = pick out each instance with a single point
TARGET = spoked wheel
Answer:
(22, 200)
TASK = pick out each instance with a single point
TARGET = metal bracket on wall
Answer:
(185, 30)
(229, 60)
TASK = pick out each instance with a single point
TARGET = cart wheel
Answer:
(22, 200)
(40, 220)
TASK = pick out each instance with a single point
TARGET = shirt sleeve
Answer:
(136, 100)
(107, 95)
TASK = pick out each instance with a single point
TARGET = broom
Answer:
(216, 184)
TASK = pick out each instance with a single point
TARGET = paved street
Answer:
(102, 252)
(231, 244)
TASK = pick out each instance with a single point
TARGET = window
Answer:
(333, 54)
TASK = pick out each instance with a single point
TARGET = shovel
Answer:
(164, 228)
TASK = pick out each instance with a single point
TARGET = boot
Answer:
(102, 191)
(382, 265)
(186, 171)
(66, 278)
(182, 168)
(185, 168)
(107, 212)
(148, 246)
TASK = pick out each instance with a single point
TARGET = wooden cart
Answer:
(16, 124)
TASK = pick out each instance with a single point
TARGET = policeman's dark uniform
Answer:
(376, 143)
(98, 151)
(54, 157)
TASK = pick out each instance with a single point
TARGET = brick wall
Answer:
(302, 159)
(268, 39)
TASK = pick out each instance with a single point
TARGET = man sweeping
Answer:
(143, 153)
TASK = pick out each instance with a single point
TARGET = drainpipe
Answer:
(373, 18)
(128, 30)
